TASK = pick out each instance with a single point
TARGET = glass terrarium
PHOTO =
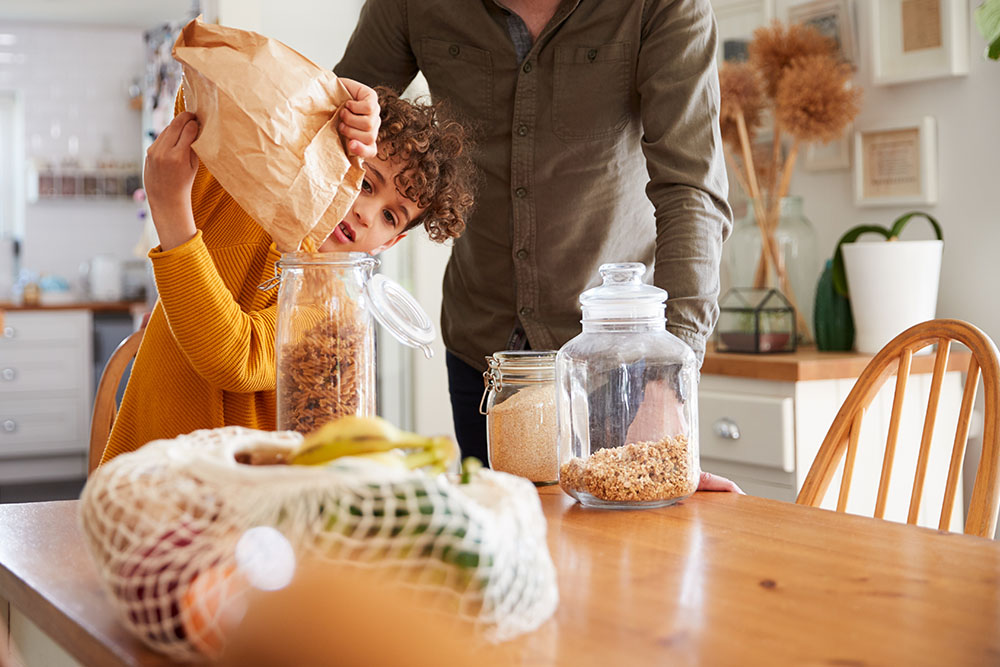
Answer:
(756, 321)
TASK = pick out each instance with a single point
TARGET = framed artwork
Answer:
(737, 19)
(830, 156)
(913, 40)
(833, 18)
(896, 163)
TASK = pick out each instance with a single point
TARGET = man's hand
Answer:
(167, 179)
(710, 482)
(359, 119)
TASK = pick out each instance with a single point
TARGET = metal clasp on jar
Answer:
(492, 380)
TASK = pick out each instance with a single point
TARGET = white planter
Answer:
(893, 285)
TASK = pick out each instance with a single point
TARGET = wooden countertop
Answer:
(719, 579)
(808, 363)
(97, 306)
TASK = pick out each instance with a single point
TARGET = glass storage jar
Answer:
(520, 409)
(797, 247)
(626, 399)
(325, 340)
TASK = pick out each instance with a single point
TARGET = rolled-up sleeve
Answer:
(678, 84)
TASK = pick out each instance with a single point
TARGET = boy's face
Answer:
(379, 215)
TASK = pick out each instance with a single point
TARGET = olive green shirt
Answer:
(600, 145)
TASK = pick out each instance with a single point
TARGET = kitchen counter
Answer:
(808, 363)
(718, 579)
(96, 306)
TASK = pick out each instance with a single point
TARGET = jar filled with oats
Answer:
(626, 399)
(520, 407)
(325, 339)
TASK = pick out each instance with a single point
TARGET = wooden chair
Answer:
(895, 358)
(105, 406)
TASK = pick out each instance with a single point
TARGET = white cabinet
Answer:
(764, 434)
(46, 384)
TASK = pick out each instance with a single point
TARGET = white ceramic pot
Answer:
(893, 285)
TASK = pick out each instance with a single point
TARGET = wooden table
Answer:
(717, 580)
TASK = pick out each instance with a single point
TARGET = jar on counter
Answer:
(627, 399)
(520, 409)
(325, 340)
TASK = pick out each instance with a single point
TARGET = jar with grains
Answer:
(520, 409)
(325, 339)
(627, 399)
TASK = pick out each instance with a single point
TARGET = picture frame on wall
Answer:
(834, 19)
(737, 19)
(830, 156)
(896, 163)
(915, 40)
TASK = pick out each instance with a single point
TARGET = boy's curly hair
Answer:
(437, 171)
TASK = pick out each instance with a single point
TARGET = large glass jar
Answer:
(797, 249)
(626, 399)
(325, 340)
(520, 409)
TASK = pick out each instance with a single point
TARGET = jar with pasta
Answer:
(325, 340)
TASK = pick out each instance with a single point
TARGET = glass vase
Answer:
(797, 250)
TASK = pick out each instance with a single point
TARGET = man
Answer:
(598, 142)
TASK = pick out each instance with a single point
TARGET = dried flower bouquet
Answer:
(795, 73)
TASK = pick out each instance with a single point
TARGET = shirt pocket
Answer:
(590, 97)
(460, 74)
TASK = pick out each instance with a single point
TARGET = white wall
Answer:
(318, 29)
(966, 110)
(74, 86)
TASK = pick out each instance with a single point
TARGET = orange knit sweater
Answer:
(207, 357)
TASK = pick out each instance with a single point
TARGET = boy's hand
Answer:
(359, 119)
(168, 177)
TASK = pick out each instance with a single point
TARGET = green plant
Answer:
(891, 234)
(833, 322)
(988, 19)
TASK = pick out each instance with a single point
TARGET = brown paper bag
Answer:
(268, 130)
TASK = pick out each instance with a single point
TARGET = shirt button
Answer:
(527, 67)
(522, 254)
(522, 130)
(591, 54)
(521, 193)
(526, 311)
(453, 49)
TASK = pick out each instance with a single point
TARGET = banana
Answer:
(374, 438)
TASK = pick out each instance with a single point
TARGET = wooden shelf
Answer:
(808, 363)
(96, 306)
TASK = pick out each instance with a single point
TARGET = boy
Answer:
(207, 356)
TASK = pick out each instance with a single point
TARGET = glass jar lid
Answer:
(400, 313)
(623, 295)
(391, 305)
(530, 364)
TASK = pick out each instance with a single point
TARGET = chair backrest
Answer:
(105, 405)
(895, 358)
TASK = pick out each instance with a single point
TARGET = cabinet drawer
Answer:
(747, 429)
(30, 427)
(41, 368)
(20, 328)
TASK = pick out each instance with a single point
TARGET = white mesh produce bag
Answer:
(157, 519)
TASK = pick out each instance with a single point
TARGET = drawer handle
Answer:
(9, 332)
(9, 425)
(726, 428)
(8, 374)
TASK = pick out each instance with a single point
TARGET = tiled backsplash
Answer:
(74, 83)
